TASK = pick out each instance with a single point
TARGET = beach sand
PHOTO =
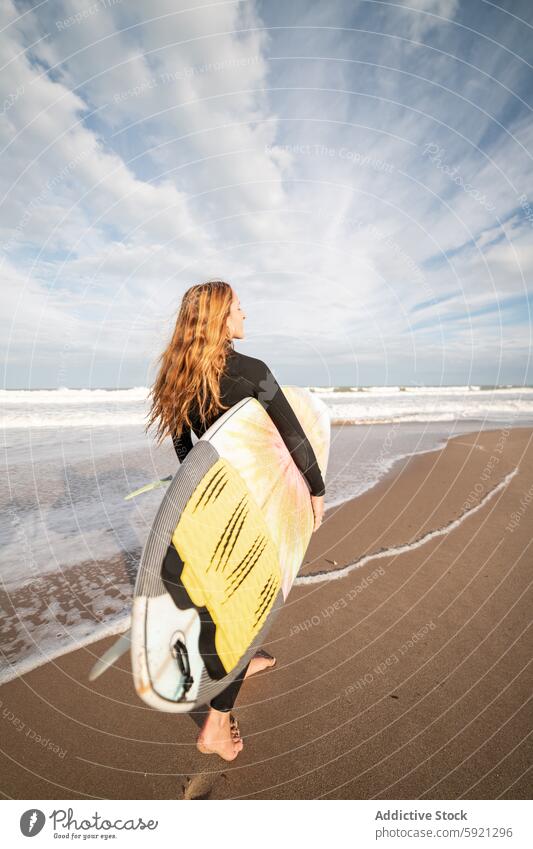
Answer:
(404, 678)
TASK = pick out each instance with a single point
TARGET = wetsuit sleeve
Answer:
(270, 396)
(183, 443)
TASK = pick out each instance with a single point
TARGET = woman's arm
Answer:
(270, 396)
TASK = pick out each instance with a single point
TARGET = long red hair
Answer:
(192, 363)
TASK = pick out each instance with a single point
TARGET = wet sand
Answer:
(403, 673)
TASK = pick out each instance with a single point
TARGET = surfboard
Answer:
(109, 657)
(148, 487)
(227, 542)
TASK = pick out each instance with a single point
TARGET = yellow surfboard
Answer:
(222, 554)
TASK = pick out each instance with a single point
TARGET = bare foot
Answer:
(217, 736)
(259, 662)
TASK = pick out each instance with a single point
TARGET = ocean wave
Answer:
(101, 408)
(73, 396)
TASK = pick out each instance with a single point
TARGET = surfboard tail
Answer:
(148, 487)
(120, 647)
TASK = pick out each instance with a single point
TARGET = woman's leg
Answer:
(218, 734)
(226, 699)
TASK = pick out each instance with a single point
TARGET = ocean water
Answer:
(70, 543)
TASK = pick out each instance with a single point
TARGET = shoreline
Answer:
(376, 693)
(115, 628)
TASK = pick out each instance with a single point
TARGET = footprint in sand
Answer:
(202, 786)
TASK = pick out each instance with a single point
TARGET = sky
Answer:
(359, 172)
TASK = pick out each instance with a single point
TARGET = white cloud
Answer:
(426, 15)
(138, 158)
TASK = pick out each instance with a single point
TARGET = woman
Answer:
(201, 375)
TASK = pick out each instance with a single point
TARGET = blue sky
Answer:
(360, 172)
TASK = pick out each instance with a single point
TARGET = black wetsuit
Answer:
(248, 377)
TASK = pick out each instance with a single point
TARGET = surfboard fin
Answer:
(148, 486)
(119, 647)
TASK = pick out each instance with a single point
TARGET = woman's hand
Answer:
(317, 503)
